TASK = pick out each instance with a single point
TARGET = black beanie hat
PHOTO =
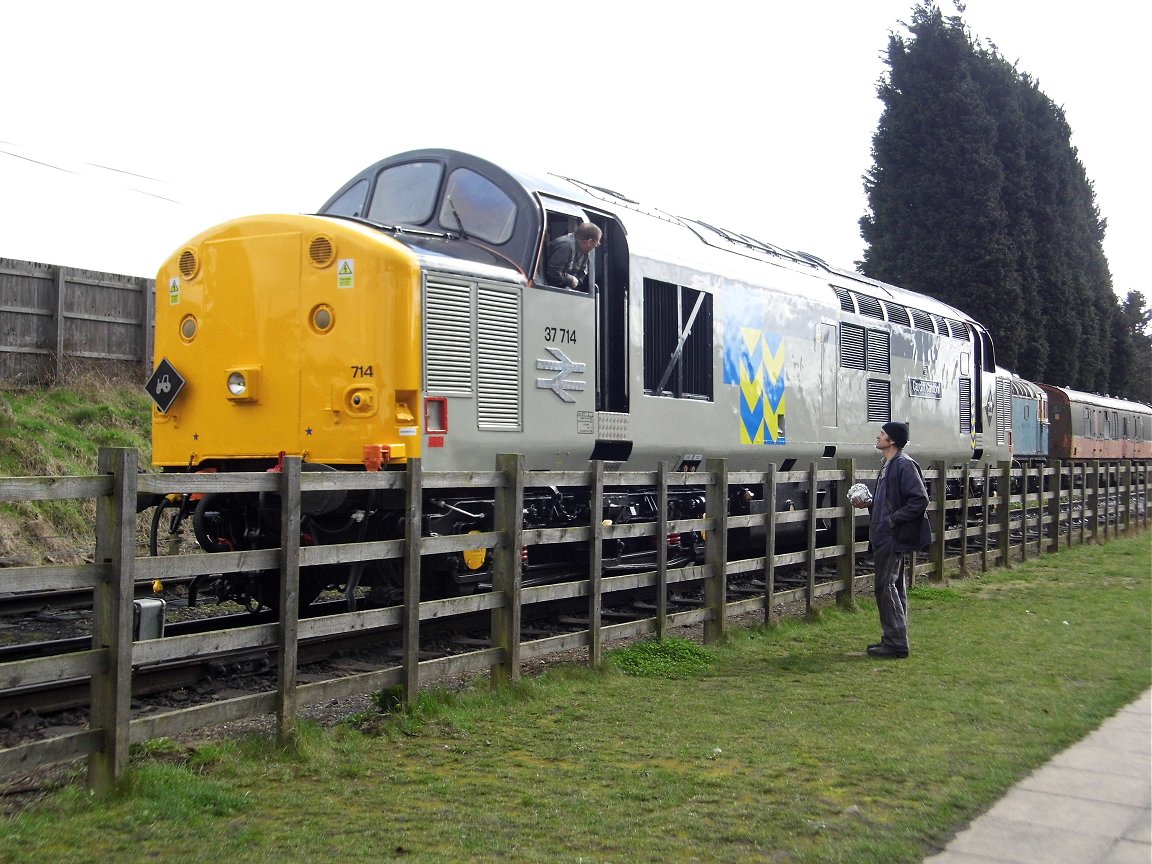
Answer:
(897, 432)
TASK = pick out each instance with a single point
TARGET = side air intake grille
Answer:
(851, 346)
(869, 306)
(922, 320)
(965, 406)
(448, 333)
(1003, 410)
(879, 401)
(897, 314)
(845, 299)
(498, 360)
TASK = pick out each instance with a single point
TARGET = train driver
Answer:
(566, 258)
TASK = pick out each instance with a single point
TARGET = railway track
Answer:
(206, 677)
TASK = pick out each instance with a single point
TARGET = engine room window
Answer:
(475, 206)
(677, 341)
(406, 194)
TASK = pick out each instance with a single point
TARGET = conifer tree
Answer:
(977, 197)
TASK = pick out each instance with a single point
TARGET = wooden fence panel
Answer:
(116, 570)
(55, 320)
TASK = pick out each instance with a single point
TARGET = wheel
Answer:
(166, 536)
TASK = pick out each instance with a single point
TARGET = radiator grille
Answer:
(498, 360)
(879, 401)
(448, 330)
(966, 406)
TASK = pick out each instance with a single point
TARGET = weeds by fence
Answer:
(1018, 513)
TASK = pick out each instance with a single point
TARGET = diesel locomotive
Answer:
(410, 318)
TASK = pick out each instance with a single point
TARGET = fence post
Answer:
(1005, 495)
(1071, 499)
(1107, 500)
(769, 542)
(1142, 484)
(1127, 494)
(413, 519)
(288, 647)
(965, 489)
(1096, 501)
(846, 537)
(1023, 512)
(595, 553)
(148, 335)
(662, 529)
(1084, 503)
(58, 326)
(987, 494)
(1054, 492)
(112, 598)
(716, 550)
(940, 493)
(508, 516)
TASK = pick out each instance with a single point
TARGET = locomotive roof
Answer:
(652, 232)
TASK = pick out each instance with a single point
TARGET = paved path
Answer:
(1092, 804)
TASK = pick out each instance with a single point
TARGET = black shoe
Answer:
(875, 645)
(885, 651)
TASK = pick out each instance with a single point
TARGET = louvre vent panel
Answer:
(879, 402)
(897, 314)
(851, 346)
(845, 299)
(448, 338)
(966, 406)
(922, 320)
(498, 360)
(1003, 410)
(879, 351)
(869, 306)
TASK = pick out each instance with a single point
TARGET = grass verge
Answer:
(784, 744)
(58, 432)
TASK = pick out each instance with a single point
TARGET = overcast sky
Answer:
(128, 127)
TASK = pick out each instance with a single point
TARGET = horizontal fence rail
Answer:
(1032, 512)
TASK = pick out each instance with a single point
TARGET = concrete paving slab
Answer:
(1091, 804)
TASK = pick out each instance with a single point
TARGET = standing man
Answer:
(901, 499)
(566, 258)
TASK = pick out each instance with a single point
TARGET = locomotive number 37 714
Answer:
(563, 335)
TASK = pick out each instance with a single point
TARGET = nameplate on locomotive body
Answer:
(925, 389)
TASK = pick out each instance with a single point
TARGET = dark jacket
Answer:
(564, 258)
(899, 504)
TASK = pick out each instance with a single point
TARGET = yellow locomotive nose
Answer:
(294, 334)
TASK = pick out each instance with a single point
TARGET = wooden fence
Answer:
(1098, 499)
(56, 320)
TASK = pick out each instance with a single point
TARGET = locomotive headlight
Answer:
(244, 384)
(237, 384)
(188, 328)
(322, 318)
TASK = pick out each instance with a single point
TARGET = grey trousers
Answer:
(891, 597)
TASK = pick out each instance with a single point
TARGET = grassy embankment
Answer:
(783, 745)
(57, 432)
